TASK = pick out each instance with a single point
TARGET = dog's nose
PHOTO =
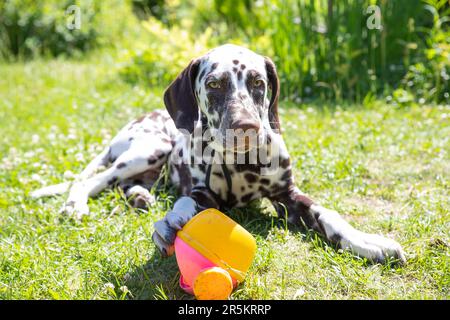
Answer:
(245, 125)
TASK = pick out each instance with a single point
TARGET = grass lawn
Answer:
(386, 169)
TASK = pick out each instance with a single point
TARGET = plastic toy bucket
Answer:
(213, 253)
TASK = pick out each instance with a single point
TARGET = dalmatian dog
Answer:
(230, 89)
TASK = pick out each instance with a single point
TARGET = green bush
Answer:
(428, 79)
(29, 28)
(324, 48)
(161, 52)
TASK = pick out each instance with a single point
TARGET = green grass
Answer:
(385, 169)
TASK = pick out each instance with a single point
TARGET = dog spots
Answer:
(185, 178)
(202, 167)
(204, 198)
(284, 163)
(307, 202)
(154, 158)
(247, 197)
(215, 123)
(277, 189)
(121, 165)
(218, 174)
(232, 200)
(125, 188)
(242, 188)
(160, 154)
(239, 75)
(263, 191)
(335, 238)
(194, 180)
(139, 120)
(235, 69)
(158, 117)
(242, 66)
(265, 181)
(130, 139)
(251, 178)
(235, 61)
(180, 153)
(112, 181)
(214, 66)
(248, 167)
(202, 74)
(286, 175)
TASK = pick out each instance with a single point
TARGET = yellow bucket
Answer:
(221, 240)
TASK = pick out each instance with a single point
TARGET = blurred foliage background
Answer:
(323, 49)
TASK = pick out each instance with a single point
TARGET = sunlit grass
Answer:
(384, 168)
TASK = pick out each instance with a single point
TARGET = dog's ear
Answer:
(180, 99)
(274, 85)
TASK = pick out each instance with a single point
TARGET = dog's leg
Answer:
(137, 188)
(302, 210)
(183, 210)
(100, 160)
(138, 159)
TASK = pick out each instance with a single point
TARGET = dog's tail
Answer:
(49, 191)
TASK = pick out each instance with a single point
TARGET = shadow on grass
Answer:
(158, 277)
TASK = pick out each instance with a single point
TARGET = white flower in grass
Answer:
(108, 286)
(79, 157)
(35, 138)
(69, 174)
(36, 177)
(297, 20)
(300, 292)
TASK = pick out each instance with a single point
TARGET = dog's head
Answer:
(234, 88)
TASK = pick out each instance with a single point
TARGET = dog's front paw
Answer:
(183, 211)
(374, 247)
(75, 209)
(166, 228)
(164, 248)
(164, 237)
(177, 220)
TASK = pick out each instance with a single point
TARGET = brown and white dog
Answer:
(220, 137)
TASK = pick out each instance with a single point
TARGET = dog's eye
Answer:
(214, 84)
(258, 83)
